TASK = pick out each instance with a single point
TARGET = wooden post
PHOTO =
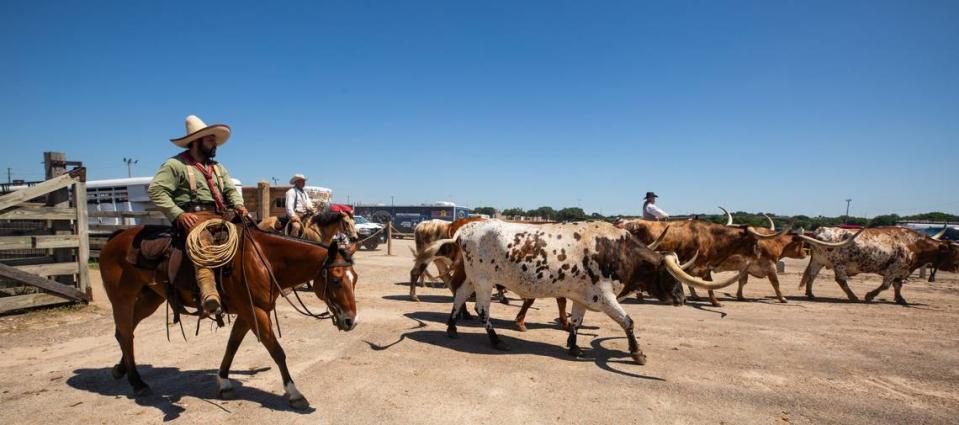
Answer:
(55, 165)
(389, 237)
(263, 199)
(83, 229)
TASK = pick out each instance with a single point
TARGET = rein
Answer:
(324, 268)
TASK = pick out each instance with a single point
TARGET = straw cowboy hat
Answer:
(297, 177)
(196, 129)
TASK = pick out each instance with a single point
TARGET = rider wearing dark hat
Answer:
(651, 211)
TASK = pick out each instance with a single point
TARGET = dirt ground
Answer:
(822, 361)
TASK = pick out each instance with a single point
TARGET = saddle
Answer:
(160, 249)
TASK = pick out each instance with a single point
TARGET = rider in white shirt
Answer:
(298, 203)
(651, 211)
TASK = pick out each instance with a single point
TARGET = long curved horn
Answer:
(758, 235)
(675, 269)
(772, 224)
(658, 240)
(815, 241)
(940, 233)
(688, 264)
(729, 217)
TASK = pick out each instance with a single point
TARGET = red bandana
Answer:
(207, 171)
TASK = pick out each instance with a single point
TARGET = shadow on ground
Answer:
(170, 385)
(478, 343)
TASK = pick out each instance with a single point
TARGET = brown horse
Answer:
(264, 265)
(320, 227)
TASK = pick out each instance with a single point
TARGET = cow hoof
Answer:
(452, 333)
(868, 299)
(716, 303)
(901, 301)
(639, 358)
(299, 404)
(118, 371)
(415, 298)
(782, 300)
(566, 326)
(854, 299)
(576, 351)
(521, 327)
(144, 391)
(810, 296)
(740, 298)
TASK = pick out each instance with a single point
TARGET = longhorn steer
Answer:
(589, 263)
(892, 252)
(714, 243)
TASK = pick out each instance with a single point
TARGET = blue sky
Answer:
(785, 106)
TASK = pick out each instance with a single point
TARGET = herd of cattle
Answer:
(595, 264)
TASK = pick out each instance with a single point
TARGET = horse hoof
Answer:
(143, 392)
(118, 371)
(228, 394)
(576, 352)
(521, 327)
(300, 403)
(639, 358)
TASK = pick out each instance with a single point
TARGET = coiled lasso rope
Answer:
(204, 252)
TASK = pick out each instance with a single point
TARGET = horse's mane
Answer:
(326, 218)
(256, 229)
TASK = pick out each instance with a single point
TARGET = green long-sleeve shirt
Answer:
(170, 189)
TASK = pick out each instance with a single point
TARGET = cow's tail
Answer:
(431, 252)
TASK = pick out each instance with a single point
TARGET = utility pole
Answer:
(129, 162)
(847, 210)
(9, 175)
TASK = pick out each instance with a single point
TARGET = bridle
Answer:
(332, 250)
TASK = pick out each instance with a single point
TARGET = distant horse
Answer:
(319, 227)
(264, 265)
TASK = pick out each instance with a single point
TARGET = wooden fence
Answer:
(39, 240)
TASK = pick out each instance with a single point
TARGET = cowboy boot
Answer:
(209, 297)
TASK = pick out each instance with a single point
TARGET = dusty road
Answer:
(823, 361)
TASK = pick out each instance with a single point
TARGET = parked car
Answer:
(365, 228)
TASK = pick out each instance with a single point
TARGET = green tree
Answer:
(490, 211)
(545, 212)
(514, 212)
(571, 214)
